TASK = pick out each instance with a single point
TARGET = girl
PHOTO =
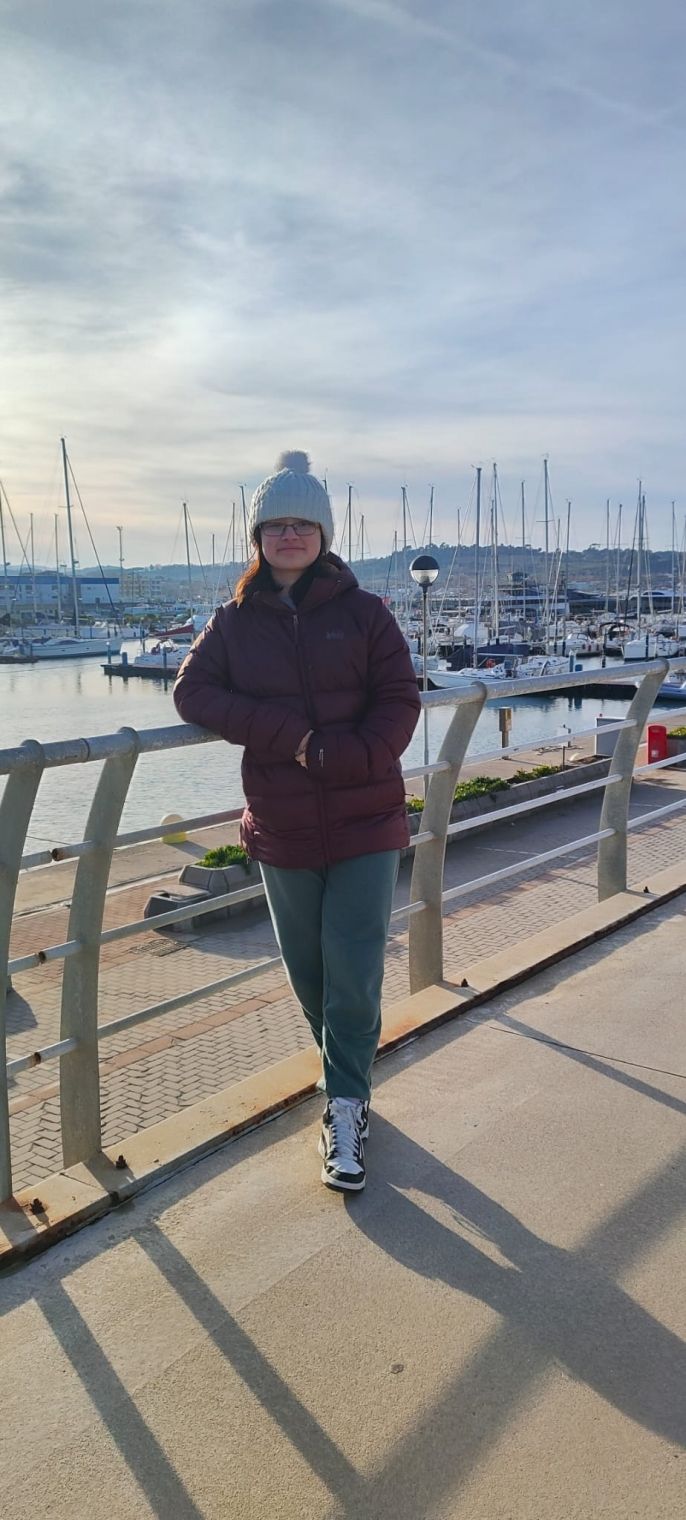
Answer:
(313, 677)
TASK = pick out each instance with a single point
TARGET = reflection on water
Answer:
(76, 699)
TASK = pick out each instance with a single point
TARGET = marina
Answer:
(75, 697)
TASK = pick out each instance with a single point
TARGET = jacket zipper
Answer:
(312, 717)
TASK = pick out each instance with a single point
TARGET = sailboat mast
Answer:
(673, 560)
(74, 584)
(646, 547)
(431, 516)
(404, 490)
(350, 524)
(547, 567)
(523, 557)
(5, 569)
(619, 555)
(245, 525)
(494, 523)
(640, 549)
(57, 566)
(458, 561)
(33, 570)
(188, 558)
(569, 524)
(607, 559)
(476, 565)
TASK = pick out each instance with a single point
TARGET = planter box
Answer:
(528, 791)
(520, 791)
(163, 901)
(216, 880)
(677, 749)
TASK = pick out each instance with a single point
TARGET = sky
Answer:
(409, 236)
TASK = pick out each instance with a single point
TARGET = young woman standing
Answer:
(313, 677)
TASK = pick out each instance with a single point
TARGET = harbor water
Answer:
(75, 699)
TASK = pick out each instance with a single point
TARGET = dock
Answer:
(125, 669)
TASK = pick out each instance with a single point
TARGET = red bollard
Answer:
(657, 742)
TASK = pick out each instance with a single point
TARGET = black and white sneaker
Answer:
(344, 1126)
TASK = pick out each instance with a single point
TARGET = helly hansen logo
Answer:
(335, 633)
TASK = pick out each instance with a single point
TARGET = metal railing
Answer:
(77, 1047)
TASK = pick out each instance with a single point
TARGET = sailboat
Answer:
(95, 640)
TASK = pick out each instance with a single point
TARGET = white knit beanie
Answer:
(292, 492)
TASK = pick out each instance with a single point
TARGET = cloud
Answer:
(406, 238)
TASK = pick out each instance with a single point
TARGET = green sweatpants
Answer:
(331, 925)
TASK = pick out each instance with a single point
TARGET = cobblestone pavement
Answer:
(154, 1069)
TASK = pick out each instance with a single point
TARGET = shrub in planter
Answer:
(479, 786)
(535, 773)
(676, 742)
(221, 870)
(226, 855)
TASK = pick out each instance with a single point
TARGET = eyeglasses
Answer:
(300, 527)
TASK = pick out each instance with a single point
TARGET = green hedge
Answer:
(482, 786)
(538, 770)
(225, 855)
(677, 733)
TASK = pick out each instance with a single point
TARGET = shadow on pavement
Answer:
(558, 1308)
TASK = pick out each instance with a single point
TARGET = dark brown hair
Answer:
(256, 575)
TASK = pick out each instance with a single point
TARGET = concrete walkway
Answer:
(490, 1332)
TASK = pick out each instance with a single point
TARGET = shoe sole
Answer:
(340, 1186)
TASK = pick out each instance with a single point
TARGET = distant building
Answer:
(142, 588)
(92, 590)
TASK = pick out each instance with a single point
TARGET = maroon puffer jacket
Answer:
(262, 675)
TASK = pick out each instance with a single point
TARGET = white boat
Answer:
(162, 656)
(451, 680)
(87, 641)
(650, 646)
(441, 675)
(673, 688)
(582, 645)
(539, 665)
(70, 647)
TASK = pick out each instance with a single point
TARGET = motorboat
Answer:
(70, 647)
(440, 674)
(163, 656)
(673, 688)
(540, 665)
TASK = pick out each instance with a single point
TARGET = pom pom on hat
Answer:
(292, 491)
(293, 459)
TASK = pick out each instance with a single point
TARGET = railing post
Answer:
(15, 815)
(426, 928)
(612, 853)
(79, 1074)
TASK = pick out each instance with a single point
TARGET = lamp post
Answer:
(424, 570)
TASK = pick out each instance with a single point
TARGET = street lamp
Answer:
(424, 570)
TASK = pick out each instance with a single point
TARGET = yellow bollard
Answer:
(180, 838)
